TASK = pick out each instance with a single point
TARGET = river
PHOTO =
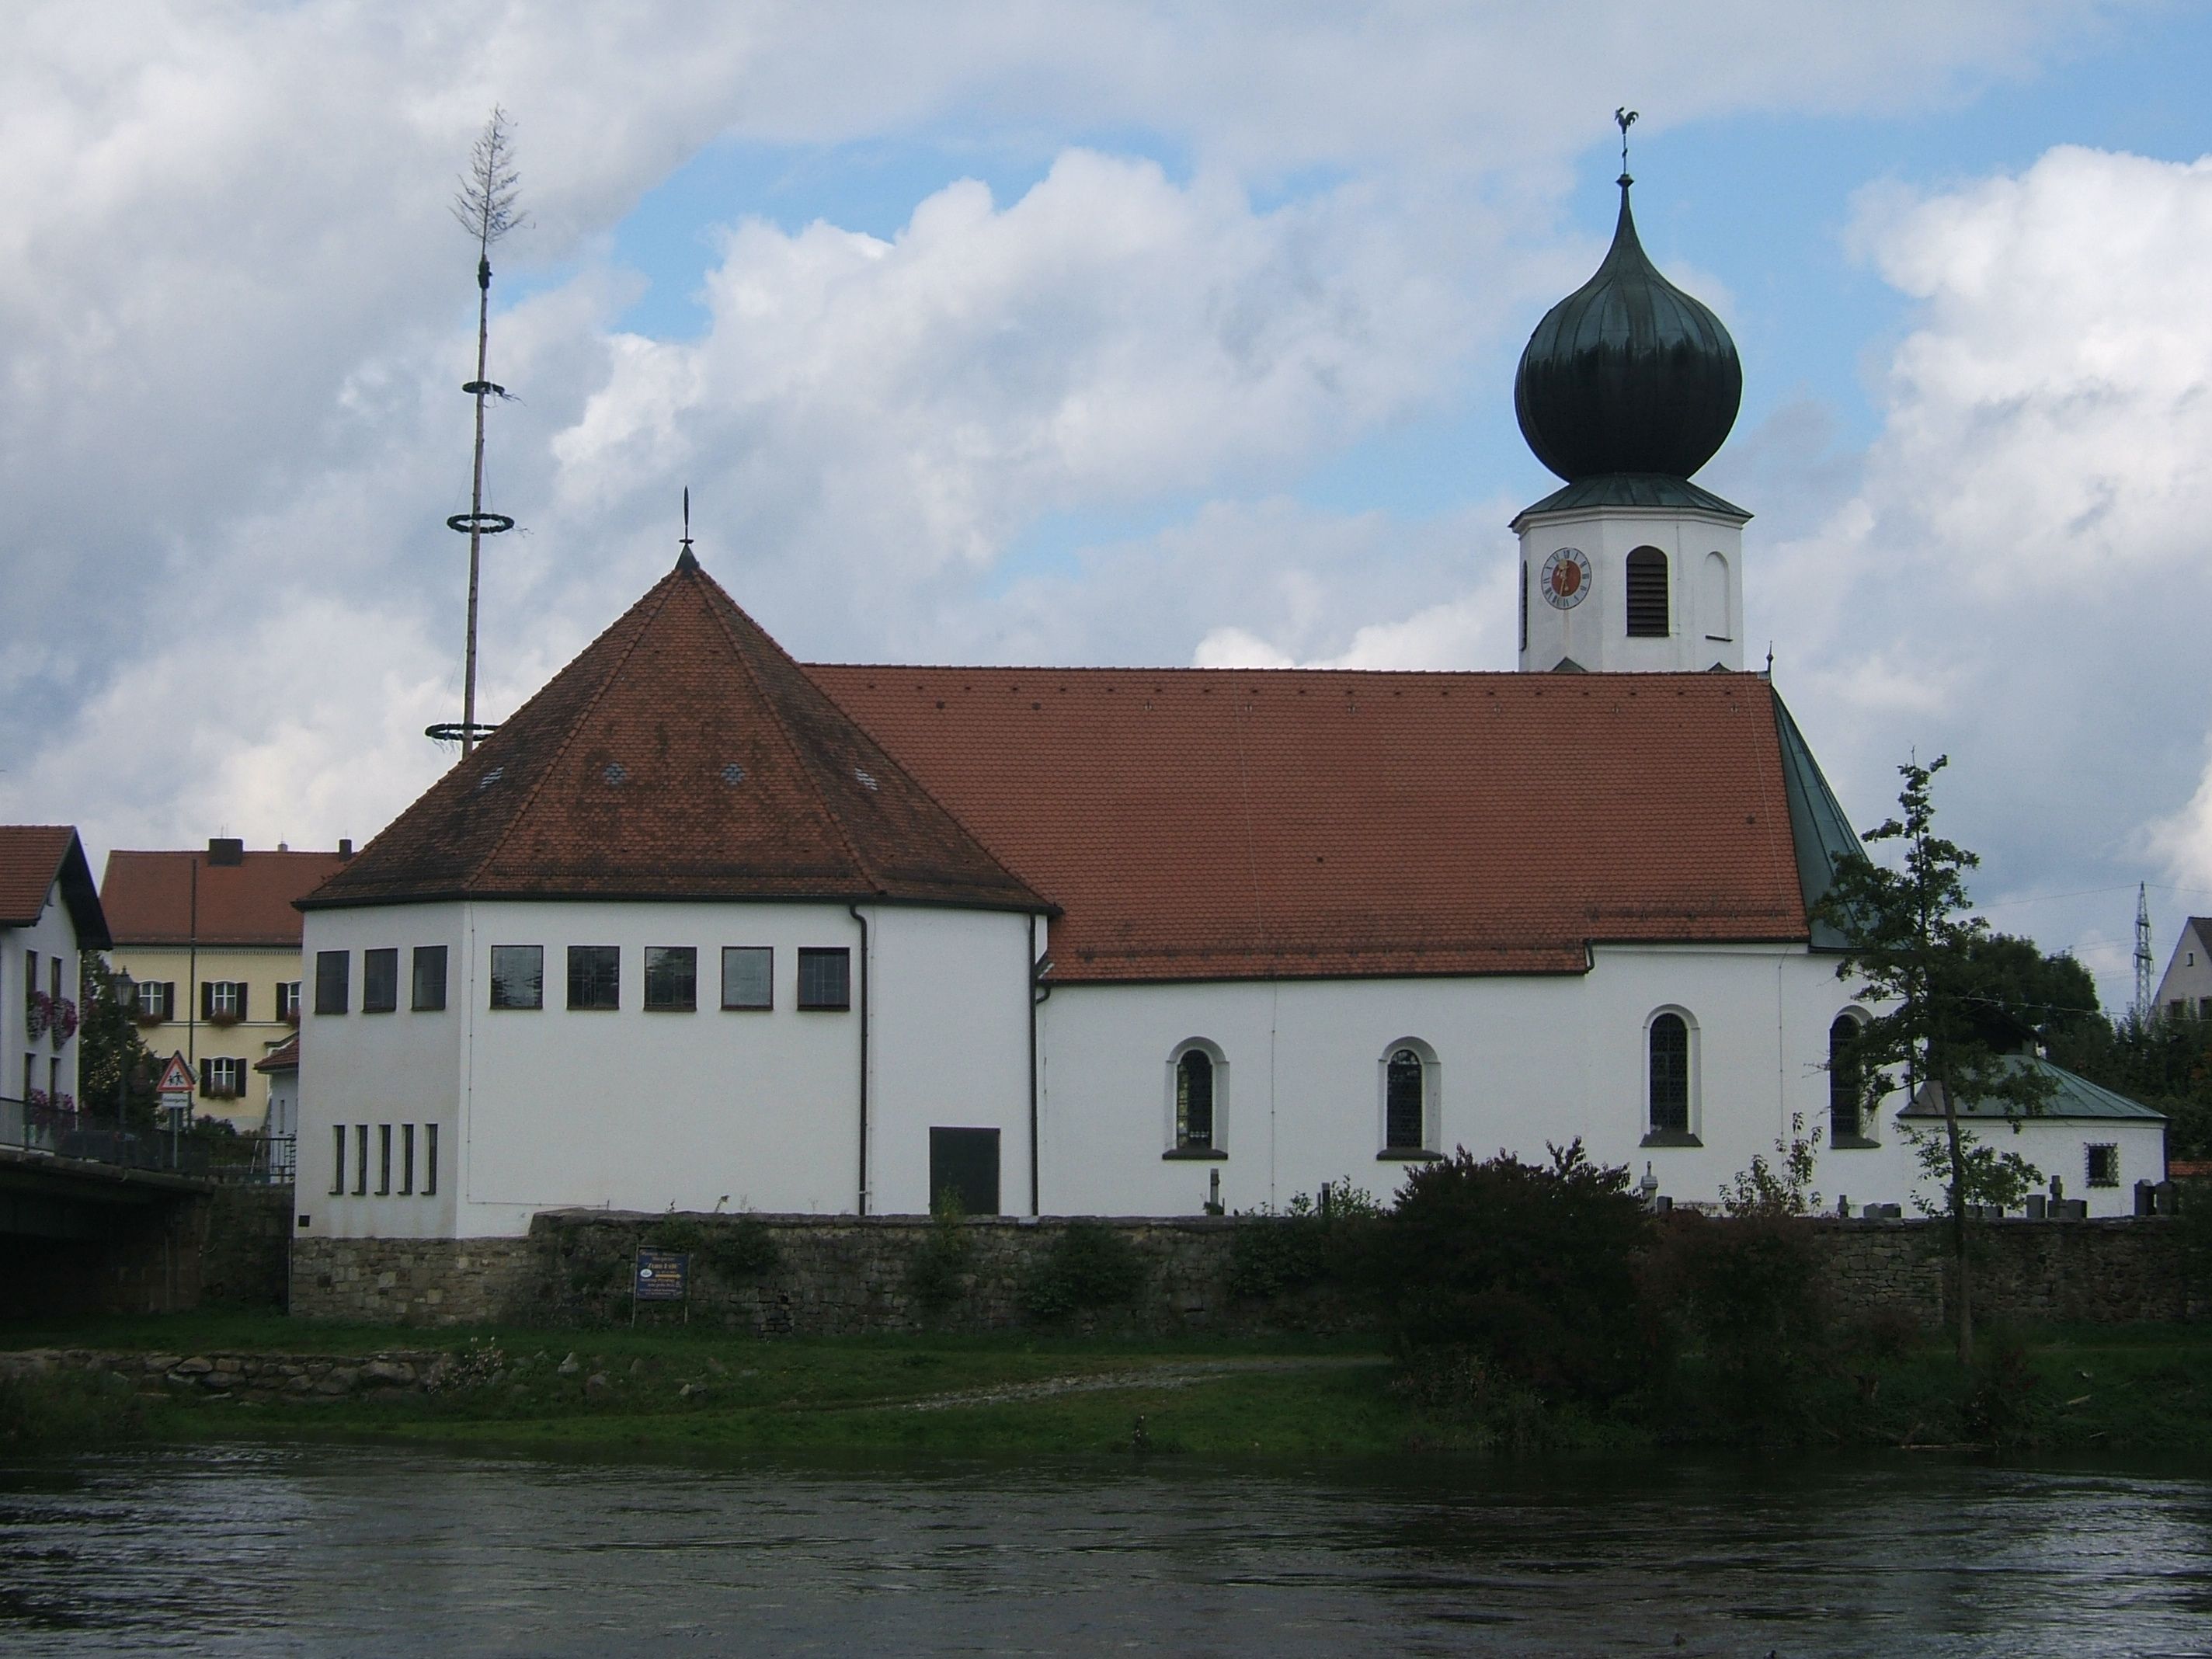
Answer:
(343, 1549)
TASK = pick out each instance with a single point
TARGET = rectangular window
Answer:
(595, 976)
(429, 1160)
(360, 1160)
(825, 978)
(332, 970)
(748, 976)
(671, 978)
(379, 981)
(157, 999)
(518, 976)
(406, 1159)
(429, 978)
(288, 1002)
(2104, 1164)
(222, 1000)
(383, 1160)
(222, 1079)
(337, 1159)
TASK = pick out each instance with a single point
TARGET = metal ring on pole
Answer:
(487, 524)
(480, 388)
(455, 730)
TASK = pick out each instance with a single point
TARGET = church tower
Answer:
(1628, 387)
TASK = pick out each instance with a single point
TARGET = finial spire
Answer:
(1624, 117)
(685, 559)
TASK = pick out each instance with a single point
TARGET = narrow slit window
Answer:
(360, 1160)
(1404, 1103)
(429, 1160)
(383, 1160)
(338, 1160)
(1670, 1075)
(406, 1160)
(1194, 1101)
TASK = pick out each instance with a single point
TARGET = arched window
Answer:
(1670, 1075)
(1846, 1082)
(1713, 602)
(1647, 594)
(1193, 1097)
(1404, 1103)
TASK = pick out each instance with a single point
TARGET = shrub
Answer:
(1746, 1291)
(1089, 1267)
(1306, 1244)
(734, 1248)
(1529, 1267)
(938, 1273)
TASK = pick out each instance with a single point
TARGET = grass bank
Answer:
(2131, 1390)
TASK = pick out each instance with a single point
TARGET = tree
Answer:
(110, 1053)
(1928, 966)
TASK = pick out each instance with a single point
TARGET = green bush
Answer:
(1745, 1293)
(734, 1248)
(937, 1275)
(1089, 1267)
(1529, 1268)
(1308, 1244)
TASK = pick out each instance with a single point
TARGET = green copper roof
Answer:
(1650, 490)
(2076, 1098)
(1823, 835)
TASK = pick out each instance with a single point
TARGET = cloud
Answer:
(235, 314)
(2019, 575)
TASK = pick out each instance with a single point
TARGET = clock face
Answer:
(1565, 578)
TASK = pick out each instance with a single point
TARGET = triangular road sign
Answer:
(176, 1077)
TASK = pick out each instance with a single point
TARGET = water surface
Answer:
(342, 1549)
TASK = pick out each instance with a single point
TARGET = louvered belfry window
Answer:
(1647, 594)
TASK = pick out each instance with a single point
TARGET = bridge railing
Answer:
(34, 1126)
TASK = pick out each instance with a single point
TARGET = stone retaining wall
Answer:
(835, 1276)
(261, 1376)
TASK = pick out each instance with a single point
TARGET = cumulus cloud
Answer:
(234, 313)
(2020, 575)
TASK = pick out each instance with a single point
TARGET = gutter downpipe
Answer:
(1038, 992)
(854, 910)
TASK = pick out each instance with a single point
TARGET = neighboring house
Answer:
(281, 1127)
(213, 941)
(2185, 992)
(50, 914)
(700, 926)
(2097, 1144)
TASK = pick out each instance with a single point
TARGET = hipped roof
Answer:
(150, 896)
(32, 858)
(682, 755)
(1252, 824)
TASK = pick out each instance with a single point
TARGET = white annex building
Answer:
(702, 927)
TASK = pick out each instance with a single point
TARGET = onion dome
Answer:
(1628, 373)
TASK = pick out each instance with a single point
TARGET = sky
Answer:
(1095, 331)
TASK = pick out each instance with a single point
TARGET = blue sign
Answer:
(662, 1276)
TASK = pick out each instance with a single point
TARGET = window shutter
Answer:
(169, 998)
(243, 987)
(207, 1078)
(207, 999)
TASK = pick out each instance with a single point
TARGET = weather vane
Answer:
(1624, 117)
(686, 543)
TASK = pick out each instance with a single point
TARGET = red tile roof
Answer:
(1233, 823)
(284, 1057)
(33, 857)
(682, 755)
(149, 897)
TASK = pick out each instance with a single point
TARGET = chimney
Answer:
(346, 846)
(226, 849)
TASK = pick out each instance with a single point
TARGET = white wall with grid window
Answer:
(639, 1107)
(49, 1064)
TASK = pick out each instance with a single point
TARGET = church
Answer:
(701, 926)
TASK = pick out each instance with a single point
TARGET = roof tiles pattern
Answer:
(150, 896)
(1249, 824)
(682, 755)
(31, 856)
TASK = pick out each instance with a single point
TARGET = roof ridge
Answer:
(522, 809)
(868, 873)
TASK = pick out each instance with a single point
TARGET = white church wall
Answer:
(950, 1035)
(1520, 1061)
(1704, 599)
(637, 1109)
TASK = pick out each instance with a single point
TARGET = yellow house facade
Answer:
(213, 942)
